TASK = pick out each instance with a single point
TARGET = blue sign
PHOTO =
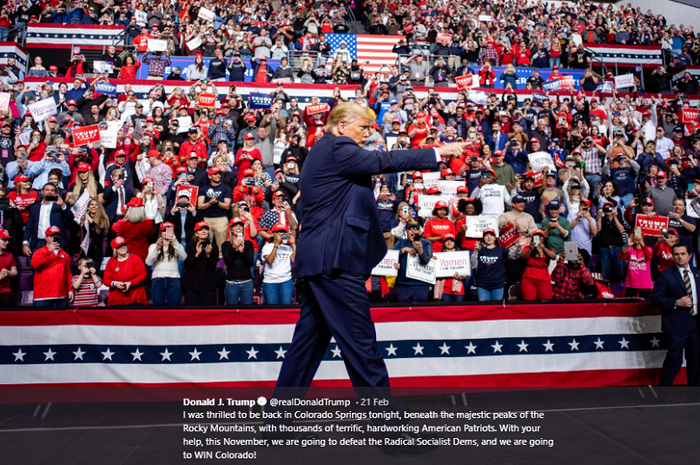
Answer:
(185, 61)
(551, 86)
(106, 88)
(257, 100)
(539, 97)
(604, 87)
(524, 73)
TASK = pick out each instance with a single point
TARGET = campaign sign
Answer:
(426, 203)
(464, 82)
(539, 97)
(189, 191)
(537, 176)
(86, 135)
(4, 101)
(539, 160)
(185, 123)
(415, 270)
(206, 14)
(625, 80)
(257, 100)
(43, 109)
(567, 82)
(449, 188)
(485, 18)
(106, 88)
(109, 130)
(477, 224)
(605, 87)
(206, 100)
(431, 179)
(194, 43)
(157, 45)
(508, 236)
(102, 66)
(690, 115)
(551, 86)
(317, 108)
(449, 263)
(478, 97)
(690, 209)
(651, 226)
(80, 206)
(386, 266)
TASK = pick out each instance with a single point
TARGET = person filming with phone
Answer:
(412, 244)
(85, 284)
(163, 256)
(279, 254)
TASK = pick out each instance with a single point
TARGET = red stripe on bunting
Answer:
(264, 316)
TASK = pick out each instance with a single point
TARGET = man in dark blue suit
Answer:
(51, 211)
(676, 292)
(340, 241)
(497, 140)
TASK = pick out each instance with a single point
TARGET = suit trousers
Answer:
(676, 343)
(335, 306)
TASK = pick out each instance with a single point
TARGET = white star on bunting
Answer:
(252, 353)
(195, 354)
(523, 346)
(624, 343)
(444, 349)
(418, 349)
(471, 348)
(548, 346)
(137, 355)
(599, 344)
(574, 345)
(166, 355)
(49, 355)
(223, 353)
(107, 355)
(280, 353)
(19, 355)
(79, 354)
(336, 352)
(655, 342)
(497, 347)
(391, 350)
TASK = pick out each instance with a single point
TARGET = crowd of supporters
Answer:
(201, 205)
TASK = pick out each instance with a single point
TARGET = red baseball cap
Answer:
(52, 119)
(277, 194)
(200, 225)
(498, 153)
(587, 202)
(417, 175)
(71, 102)
(146, 180)
(4, 234)
(249, 136)
(21, 178)
(165, 225)
(434, 190)
(248, 172)
(213, 170)
(488, 231)
(118, 242)
(83, 167)
(235, 220)
(661, 174)
(250, 117)
(448, 236)
(446, 172)
(135, 202)
(440, 204)
(279, 227)
(154, 153)
(120, 153)
(420, 114)
(461, 189)
(181, 169)
(150, 119)
(52, 230)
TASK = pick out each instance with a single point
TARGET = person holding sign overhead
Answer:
(638, 256)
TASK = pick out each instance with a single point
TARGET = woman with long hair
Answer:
(163, 256)
(536, 283)
(85, 181)
(153, 201)
(450, 289)
(23, 196)
(239, 258)
(638, 255)
(197, 71)
(199, 271)
(94, 226)
(125, 275)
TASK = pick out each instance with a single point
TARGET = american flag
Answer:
(67, 35)
(13, 50)
(625, 54)
(363, 48)
(543, 345)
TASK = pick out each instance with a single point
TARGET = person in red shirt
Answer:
(141, 41)
(663, 251)
(125, 275)
(23, 196)
(247, 153)
(8, 269)
(136, 228)
(436, 228)
(195, 144)
(52, 275)
(418, 132)
(247, 190)
(537, 282)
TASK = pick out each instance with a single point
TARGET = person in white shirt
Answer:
(278, 255)
(494, 197)
(163, 256)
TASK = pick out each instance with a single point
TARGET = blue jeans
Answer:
(554, 61)
(278, 293)
(4, 34)
(594, 181)
(239, 294)
(166, 291)
(256, 255)
(486, 295)
(452, 297)
(626, 199)
(50, 303)
(412, 293)
(611, 264)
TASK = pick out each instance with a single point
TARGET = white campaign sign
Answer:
(386, 266)
(80, 206)
(427, 203)
(194, 43)
(185, 123)
(43, 109)
(102, 66)
(539, 160)
(24, 137)
(449, 188)
(108, 137)
(207, 15)
(431, 179)
(477, 224)
(626, 80)
(449, 263)
(485, 18)
(414, 270)
(156, 45)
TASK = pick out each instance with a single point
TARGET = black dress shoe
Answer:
(412, 444)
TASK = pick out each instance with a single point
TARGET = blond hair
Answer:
(348, 112)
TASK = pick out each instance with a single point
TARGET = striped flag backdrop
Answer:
(363, 47)
(583, 344)
(13, 50)
(67, 35)
(626, 54)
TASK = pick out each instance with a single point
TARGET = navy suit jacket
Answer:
(502, 141)
(112, 199)
(339, 221)
(59, 217)
(668, 288)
